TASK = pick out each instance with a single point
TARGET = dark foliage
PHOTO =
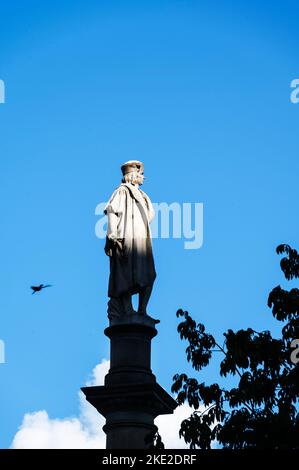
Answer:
(262, 410)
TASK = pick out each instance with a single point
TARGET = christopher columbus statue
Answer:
(128, 244)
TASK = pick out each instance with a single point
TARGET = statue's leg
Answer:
(127, 304)
(144, 296)
(115, 308)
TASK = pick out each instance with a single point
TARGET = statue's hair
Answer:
(130, 177)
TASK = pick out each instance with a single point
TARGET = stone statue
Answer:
(128, 244)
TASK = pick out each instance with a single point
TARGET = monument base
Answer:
(130, 411)
(131, 398)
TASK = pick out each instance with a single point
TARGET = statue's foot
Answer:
(130, 311)
(144, 312)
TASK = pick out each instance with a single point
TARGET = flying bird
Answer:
(39, 288)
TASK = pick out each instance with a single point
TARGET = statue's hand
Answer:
(114, 244)
(119, 244)
(109, 246)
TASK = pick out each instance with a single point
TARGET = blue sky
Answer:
(200, 92)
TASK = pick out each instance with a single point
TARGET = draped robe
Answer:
(131, 264)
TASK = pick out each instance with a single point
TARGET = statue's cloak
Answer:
(131, 266)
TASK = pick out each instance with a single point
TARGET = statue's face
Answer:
(140, 177)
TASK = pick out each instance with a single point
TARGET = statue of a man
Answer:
(128, 243)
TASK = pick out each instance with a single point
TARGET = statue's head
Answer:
(133, 172)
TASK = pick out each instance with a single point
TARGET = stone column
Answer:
(131, 398)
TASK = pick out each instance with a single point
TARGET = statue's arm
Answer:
(111, 237)
(113, 210)
(112, 226)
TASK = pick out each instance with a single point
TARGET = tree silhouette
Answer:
(262, 410)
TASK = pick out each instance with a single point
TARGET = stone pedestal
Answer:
(131, 398)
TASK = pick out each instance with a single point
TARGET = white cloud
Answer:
(39, 431)
(169, 426)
